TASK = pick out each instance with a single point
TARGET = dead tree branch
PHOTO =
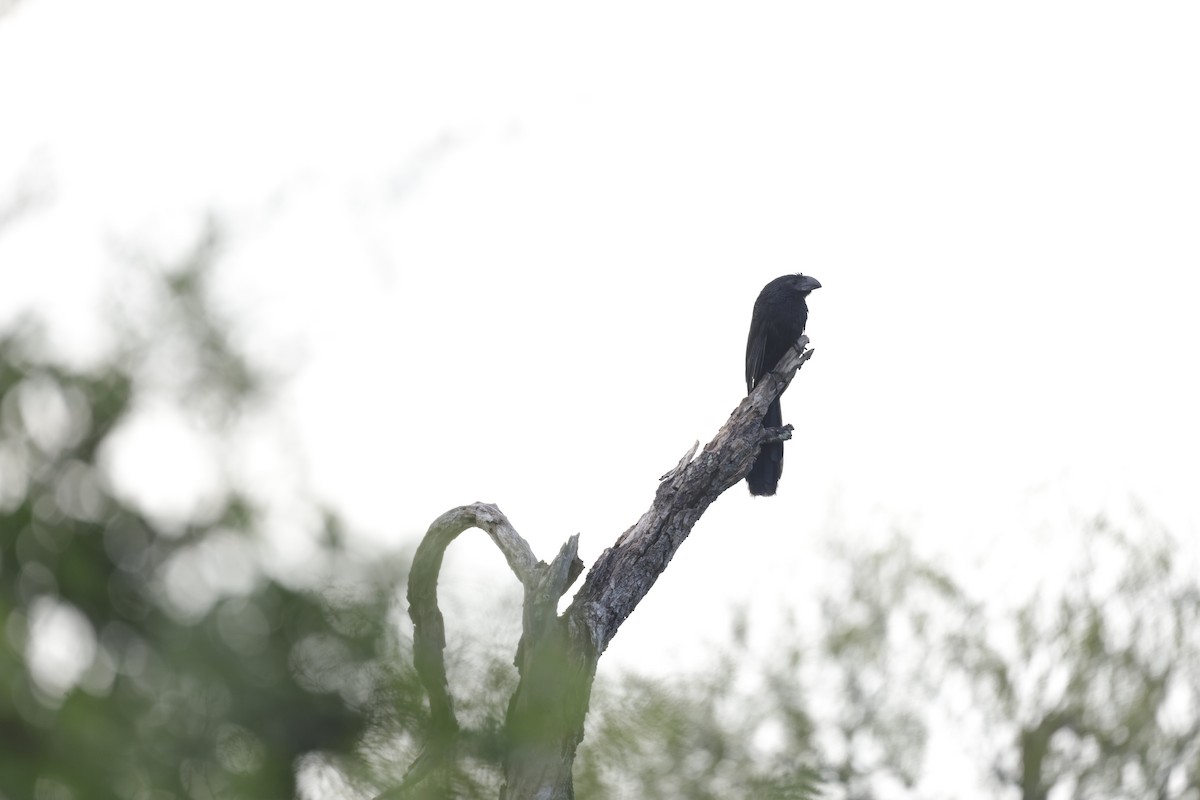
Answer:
(624, 573)
(558, 654)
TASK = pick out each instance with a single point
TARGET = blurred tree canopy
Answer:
(112, 689)
(150, 659)
(1088, 689)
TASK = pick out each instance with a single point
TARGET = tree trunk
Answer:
(544, 725)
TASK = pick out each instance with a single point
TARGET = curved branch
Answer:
(429, 629)
(543, 585)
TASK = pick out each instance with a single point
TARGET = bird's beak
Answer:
(808, 283)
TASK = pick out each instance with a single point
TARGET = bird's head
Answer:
(802, 283)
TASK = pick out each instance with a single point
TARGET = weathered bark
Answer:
(558, 654)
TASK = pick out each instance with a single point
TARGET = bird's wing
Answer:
(756, 347)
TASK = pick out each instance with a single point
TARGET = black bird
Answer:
(779, 316)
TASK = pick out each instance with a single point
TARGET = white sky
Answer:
(516, 246)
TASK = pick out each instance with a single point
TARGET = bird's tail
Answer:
(764, 475)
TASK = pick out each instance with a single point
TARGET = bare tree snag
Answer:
(558, 653)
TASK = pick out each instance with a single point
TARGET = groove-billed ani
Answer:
(779, 316)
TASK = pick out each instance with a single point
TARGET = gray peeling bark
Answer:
(557, 656)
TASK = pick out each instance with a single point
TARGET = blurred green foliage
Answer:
(707, 735)
(110, 690)
(269, 687)
(1090, 688)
